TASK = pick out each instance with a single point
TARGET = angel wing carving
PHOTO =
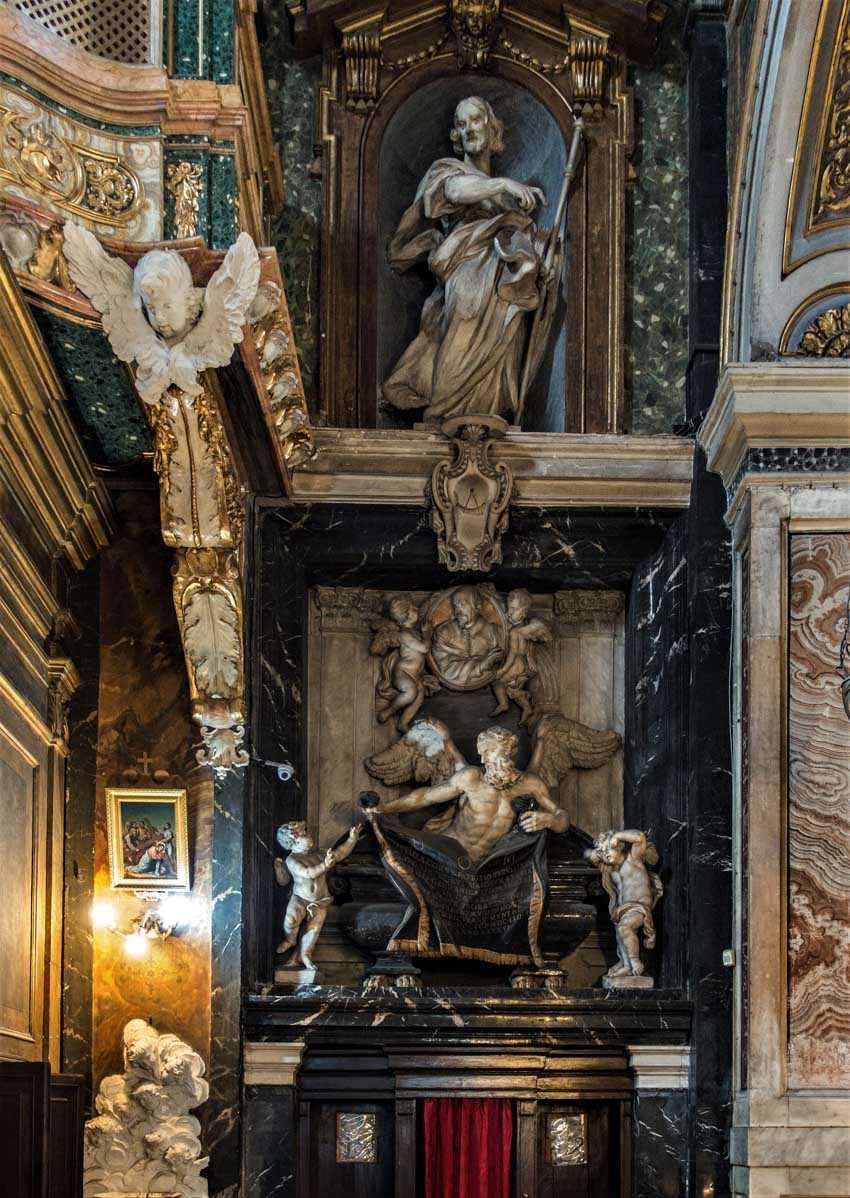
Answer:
(125, 305)
(108, 283)
(425, 754)
(561, 744)
(227, 299)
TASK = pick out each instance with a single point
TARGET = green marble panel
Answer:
(295, 233)
(100, 394)
(656, 330)
(220, 40)
(222, 201)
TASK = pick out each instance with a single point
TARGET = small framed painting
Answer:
(148, 838)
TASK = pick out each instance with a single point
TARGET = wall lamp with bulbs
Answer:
(166, 916)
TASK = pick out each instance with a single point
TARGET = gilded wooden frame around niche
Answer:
(349, 136)
(158, 868)
(819, 109)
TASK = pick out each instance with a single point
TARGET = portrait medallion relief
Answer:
(468, 636)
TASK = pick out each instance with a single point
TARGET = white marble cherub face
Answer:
(519, 605)
(295, 838)
(164, 284)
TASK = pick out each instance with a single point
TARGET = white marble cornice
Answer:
(660, 1066)
(271, 1064)
(769, 405)
(389, 466)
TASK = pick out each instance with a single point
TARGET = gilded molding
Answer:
(831, 183)
(361, 52)
(278, 378)
(41, 455)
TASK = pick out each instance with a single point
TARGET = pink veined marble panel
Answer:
(818, 817)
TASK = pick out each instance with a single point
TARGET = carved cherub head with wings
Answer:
(156, 317)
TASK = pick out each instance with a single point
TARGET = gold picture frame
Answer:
(148, 838)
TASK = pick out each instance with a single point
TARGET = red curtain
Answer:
(468, 1147)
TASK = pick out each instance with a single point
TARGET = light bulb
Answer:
(103, 915)
(178, 910)
(136, 944)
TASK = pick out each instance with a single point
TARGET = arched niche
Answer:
(381, 121)
(535, 152)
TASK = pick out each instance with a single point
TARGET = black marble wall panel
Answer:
(81, 780)
(709, 624)
(222, 1113)
(268, 1164)
(661, 1144)
(655, 759)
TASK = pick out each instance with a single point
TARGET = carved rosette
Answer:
(282, 379)
(470, 496)
(828, 336)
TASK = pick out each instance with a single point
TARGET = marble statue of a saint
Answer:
(477, 235)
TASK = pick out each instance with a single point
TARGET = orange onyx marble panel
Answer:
(818, 817)
(144, 724)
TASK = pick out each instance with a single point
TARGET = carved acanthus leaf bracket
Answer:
(208, 602)
(201, 514)
(475, 25)
(470, 496)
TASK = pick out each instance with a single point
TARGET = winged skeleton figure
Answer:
(156, 317)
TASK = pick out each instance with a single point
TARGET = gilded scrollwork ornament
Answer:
(183, 181)
(35, 154)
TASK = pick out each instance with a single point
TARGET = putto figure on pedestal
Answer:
(477, 234)
(633, 889)
(307, 909)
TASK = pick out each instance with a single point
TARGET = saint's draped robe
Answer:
(467, 356)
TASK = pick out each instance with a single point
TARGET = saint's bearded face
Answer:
(473, 128)
(497, 758)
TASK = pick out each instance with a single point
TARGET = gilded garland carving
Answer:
(91, 184)
(279, 366)
(833, 198)
(40, 252)
(828, 336)
(183, 181)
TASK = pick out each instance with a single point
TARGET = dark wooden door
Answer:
(24, 1106)
(330, 1173)
(65, 1142)
(578, 1146)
